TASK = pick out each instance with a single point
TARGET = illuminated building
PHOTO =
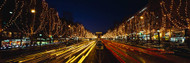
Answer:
(158, 19)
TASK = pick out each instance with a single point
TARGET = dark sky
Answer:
(98, 15)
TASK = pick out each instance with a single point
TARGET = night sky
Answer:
(98, 15)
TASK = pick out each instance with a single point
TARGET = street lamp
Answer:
(11, 12)
(33, 11)
(69, 26)
(158, 31)
(141, 17)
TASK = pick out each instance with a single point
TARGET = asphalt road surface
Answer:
(101, 56)
(112, 52)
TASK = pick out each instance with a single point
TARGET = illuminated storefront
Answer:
(178, 36)
(14, 42)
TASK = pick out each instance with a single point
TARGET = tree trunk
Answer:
(40, 42)
(31, 38)
(21, 41)
(150, 37)
(50, 40)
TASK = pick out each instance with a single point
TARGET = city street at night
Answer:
(94, 31)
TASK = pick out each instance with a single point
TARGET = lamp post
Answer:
(33, 11)
(141, 17)
(21, 36)
(158, 31)
(50, 37)
(40, 35)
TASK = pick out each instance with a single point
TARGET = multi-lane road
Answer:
(83, 52)
(74, 53)
(112, 52)
(130, 54)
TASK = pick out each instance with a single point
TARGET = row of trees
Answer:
(160, 16)
(34, 17)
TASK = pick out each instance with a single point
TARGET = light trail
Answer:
(82, 52)
(49, 54)
(149, 51)
(61, 58)
(118, 49)
(70, 59)
(82, 59)
(69, 54)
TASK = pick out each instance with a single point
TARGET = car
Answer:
(99, 46)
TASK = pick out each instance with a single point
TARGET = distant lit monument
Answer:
(99, 34)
